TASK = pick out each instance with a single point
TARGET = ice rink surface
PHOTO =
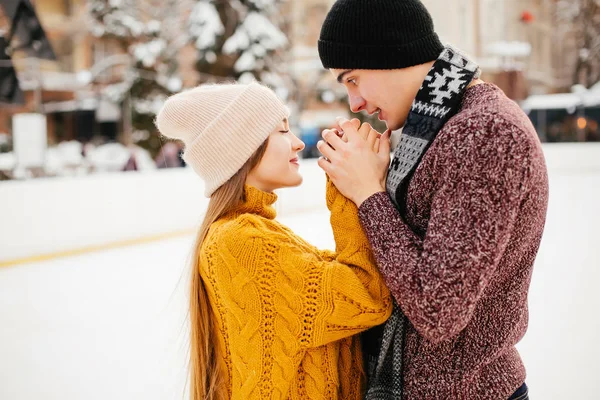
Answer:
(110, 325)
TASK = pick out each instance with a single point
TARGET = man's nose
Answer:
(357, 103)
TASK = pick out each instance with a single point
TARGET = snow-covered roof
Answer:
(70, 105)
(510, 49)
(569, 101)
(551, 101)
(592, 98)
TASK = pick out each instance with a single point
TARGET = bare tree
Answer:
(581, 19)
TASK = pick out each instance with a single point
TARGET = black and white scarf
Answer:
(437, 101)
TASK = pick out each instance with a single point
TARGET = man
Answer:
(454, 222)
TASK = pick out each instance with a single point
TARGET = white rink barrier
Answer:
(54, 215)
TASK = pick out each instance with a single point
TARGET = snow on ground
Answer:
(110, 325)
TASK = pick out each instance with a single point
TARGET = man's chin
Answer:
(394, 126)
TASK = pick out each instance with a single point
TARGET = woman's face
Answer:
(279, 166)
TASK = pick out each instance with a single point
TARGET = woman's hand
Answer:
(367, 132)
(356, 158)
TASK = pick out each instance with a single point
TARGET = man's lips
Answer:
(379, 112)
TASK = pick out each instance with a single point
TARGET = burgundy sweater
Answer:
(459, 265)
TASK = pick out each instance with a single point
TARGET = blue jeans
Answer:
(522, 393)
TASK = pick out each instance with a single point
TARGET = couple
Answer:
(425, 295)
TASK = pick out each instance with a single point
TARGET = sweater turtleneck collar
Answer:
(257, 202)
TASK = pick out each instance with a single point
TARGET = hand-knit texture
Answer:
(221, 125)
(287, 313)
(378, 34)
(461, 263)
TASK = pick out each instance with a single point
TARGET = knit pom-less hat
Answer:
(378, 34)
(221, 126)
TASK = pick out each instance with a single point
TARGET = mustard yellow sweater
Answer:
(288, 313)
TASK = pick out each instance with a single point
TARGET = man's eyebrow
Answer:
(341, 76)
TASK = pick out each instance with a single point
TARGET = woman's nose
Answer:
(298, 144)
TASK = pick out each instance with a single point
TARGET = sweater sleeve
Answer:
(438, 278)
(321, 301)
(361, 298)
(344, 222)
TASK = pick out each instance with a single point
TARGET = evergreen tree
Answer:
(148, 31)
(239, 39)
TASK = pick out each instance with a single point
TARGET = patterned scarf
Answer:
(437, 101)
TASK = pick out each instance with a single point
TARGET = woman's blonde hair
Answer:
(206, 373)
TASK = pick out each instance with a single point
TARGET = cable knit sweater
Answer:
(287, 313)
(460, 265)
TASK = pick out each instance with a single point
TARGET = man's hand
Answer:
(357, 161)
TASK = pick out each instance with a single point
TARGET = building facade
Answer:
(53, 87)
(496, 32)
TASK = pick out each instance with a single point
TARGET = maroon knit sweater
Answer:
(460, 263)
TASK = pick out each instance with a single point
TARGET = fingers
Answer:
(372, 137)
(364, 130)
(334, 131)
(326, 150)
(385, 144)
(341, 135)
(332, 142)
(349, 129)
(355, 123)
(331, 137)
(325, 165)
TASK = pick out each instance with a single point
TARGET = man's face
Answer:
(387, 92)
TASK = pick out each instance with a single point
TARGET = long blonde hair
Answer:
(206, 373)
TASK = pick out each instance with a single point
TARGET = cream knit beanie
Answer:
(221, 125)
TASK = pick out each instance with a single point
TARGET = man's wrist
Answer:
(364, 195)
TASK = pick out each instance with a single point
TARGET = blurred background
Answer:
(96, 71)
(98, 212)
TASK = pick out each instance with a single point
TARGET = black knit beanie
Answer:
(378, 34)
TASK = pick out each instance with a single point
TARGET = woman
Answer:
(271, 316)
